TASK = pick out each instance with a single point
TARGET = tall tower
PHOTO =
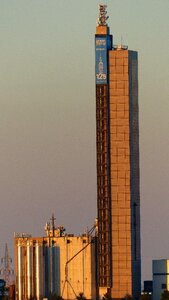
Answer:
(118, 195)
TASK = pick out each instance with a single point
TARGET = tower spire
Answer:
(102, 27)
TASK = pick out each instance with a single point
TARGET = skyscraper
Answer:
(118, 195)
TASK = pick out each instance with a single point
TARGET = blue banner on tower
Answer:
(102, 45)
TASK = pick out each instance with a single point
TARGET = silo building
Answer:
(58, 264)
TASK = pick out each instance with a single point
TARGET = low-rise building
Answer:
(160, 277)
(55, 264)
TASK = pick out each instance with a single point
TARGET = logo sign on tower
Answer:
(102, 45)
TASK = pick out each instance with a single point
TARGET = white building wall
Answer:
(160, 277)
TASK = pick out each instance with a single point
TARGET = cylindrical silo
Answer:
(55, 271)
(29, 270)
(20, 272)
(46, 271)
(39, 272)
(52, 270)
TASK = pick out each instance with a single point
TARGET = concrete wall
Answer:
(124, 157)
(77, 267)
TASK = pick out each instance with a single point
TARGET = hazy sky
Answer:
(47, 115)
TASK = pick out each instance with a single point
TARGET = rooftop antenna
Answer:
(121, 46)
(121, 40)
(53, 224)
